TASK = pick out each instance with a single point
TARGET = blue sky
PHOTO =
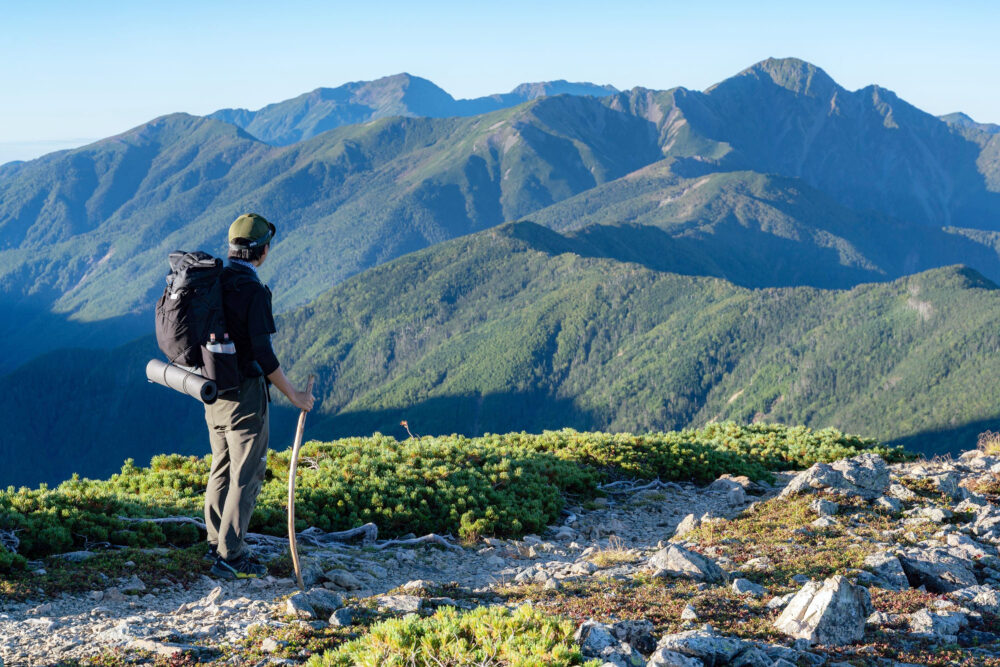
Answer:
(74, 71)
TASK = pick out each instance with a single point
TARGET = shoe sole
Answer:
(232, 575)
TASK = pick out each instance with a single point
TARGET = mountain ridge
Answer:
(322, 109)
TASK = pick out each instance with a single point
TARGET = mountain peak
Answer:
(530, 91)
(793, 74)
(965, 121)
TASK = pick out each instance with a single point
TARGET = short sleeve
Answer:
(260, 319)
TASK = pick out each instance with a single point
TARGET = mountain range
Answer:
(775, 190)
(324, 109)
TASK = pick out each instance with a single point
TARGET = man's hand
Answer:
(302, 400)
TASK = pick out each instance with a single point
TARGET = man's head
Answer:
(250, 236)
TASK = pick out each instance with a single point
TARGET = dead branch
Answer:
(426, 539)
(10, 541)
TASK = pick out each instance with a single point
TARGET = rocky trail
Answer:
(923, 578)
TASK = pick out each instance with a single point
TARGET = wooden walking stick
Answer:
(292, 546)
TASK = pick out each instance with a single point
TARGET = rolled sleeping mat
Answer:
(182, 380)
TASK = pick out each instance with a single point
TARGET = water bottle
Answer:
(220, 363)
(225, 347)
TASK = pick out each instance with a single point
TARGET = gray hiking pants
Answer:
(238, 432)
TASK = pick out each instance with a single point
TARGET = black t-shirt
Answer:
(247, 303)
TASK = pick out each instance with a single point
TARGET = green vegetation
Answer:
(495, 485)
(518, 328)
(658, 601)
(779, 530)
(157, 568)
(488, 636)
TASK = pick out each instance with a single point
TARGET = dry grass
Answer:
(616, 553)
(989, 443)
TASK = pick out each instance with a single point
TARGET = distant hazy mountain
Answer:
(522, 328)
(964, 121)
(323, 109)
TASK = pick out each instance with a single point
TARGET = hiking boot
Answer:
(212, 554)
(242, 567)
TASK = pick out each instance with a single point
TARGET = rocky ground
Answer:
(851, 563)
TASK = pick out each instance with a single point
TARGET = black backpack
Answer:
(190, 320)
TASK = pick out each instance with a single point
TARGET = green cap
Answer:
(250, 231)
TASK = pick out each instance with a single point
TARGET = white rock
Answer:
(900, 492)
(707, 646)
(298, 606)
(779, 601)
(400, 604)
(747, 587)
(889, 503)
(833, 612)
(937, 623)
(667, 658)
(679, 562)
(824, 507)
(344, 580)
(133, 585)
(887, 568)
(687, 524)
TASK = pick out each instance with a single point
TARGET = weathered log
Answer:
(315, 537)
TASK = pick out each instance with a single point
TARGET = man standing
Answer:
(238, 420)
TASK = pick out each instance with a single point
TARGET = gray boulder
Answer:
(889, 504)
(752, 657)
(298, 606)
(687, 524)
(900, 492)
(747, 587)
(833, 612)
(343, 579)
(312, 573)
(865, 476)
(987, 525)
(666, 658)
(594, 637)
(938, 624)
(710, 648)
(824, 507)
(982, 598)
(324, 602)
(400, 604)
(676, 561)
(937, 570)
(597, 641)
(965, 546)
(637, 633)
(342, 617)
(888, 570)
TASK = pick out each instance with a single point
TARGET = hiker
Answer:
(238, 420)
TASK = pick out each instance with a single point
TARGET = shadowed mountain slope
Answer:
(522, 328)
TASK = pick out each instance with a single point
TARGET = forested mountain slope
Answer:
(521, 328)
